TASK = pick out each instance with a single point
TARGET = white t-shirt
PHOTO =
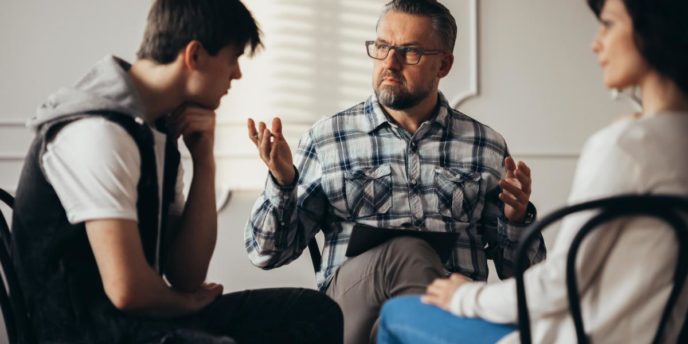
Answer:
(94, 166)
(624, 271)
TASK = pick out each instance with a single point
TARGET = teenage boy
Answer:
(106, 248)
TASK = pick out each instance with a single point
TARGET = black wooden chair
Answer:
(666, 208)
(11, 299)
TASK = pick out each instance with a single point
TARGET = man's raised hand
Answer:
(274, 150)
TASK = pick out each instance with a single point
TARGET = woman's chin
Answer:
(620, 83)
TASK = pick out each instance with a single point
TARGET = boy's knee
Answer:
(326, 306)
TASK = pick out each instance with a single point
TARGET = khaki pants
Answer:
(402, 266)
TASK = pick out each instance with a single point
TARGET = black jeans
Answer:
(285, 315)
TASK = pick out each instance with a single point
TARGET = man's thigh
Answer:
(402, 266)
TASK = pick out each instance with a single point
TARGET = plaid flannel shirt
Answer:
(359, 167)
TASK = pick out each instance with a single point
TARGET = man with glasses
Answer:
(401, 159)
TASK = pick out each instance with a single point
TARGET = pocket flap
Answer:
(457, 175)
(371, 173)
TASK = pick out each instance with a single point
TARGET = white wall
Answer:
(538, 84)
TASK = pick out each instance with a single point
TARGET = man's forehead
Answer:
(403, 28)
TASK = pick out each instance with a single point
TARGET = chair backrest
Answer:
(11, 299)
(316, 257)
(666, 208)
(8, 199)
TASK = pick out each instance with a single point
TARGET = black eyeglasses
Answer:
(408, 55)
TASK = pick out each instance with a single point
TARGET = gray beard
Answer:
(400, 100)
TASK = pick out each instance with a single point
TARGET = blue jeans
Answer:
(406, 320)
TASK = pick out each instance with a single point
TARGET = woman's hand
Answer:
(441, 291)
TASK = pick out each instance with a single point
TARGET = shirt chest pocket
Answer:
(369, 191)
(457, 193)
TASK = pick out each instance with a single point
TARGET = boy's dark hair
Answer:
(442, 20)
(172, 24)
(660, 29)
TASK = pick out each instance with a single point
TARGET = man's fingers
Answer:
(517, 206)
(189, 119)
(276, 152)
(509, 199)
(513, 191)
(524, 180)
(524, 168)
(177, 126)
(192, 112)
(185, 130)
(510, 166)
(277, 127)
(191, 125)
(512, 200)
(179, 131)
(252, 132)
(264, 145)
(178, 112)
(509, 163)
(188, 126)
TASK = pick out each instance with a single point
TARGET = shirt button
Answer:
(413, 182)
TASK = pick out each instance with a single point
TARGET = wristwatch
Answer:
(531, 215)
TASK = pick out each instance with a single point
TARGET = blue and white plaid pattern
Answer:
(359, 167)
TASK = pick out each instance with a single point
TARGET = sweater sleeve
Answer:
(603, 170)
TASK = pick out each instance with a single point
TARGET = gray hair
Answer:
(442, 20)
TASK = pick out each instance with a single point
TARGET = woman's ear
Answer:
(193, 54)
(446, 65)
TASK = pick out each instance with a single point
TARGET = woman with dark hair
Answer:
(625, 271)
